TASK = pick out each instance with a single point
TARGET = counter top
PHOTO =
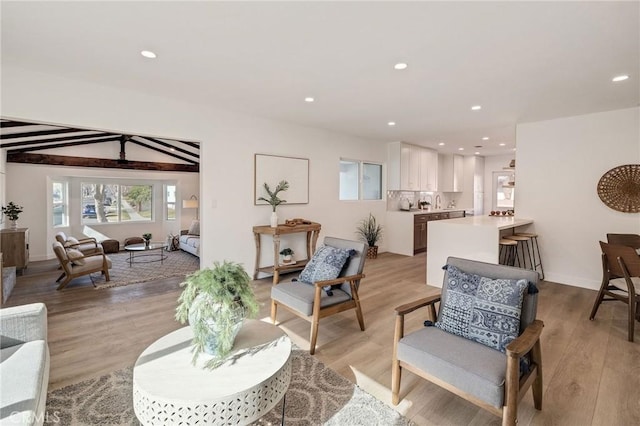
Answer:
(497, 222)
(418, 211)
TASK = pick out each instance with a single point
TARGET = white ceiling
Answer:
(522, 61)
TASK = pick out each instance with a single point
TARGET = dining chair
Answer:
(620, 281)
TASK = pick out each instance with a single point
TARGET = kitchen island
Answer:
(473, 237)
(406, 231)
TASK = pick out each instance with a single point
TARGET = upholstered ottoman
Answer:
(111, 246)
(133, 240)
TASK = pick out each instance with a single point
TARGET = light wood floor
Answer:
(591, 372)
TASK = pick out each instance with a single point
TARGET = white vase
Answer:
(226, 321)
(13, 224)
(274, 220)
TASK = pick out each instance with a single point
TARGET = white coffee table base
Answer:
(168, 389)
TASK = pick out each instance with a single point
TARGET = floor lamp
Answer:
(191, 203)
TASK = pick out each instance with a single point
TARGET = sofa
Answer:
(189, 240)
(24, 364)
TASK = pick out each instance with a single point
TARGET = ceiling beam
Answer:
(192, 144)
(43, 133)
(179, 157)
(62, 160)
(60, 139)
(66, 144)
(168, 145)
(6, 124)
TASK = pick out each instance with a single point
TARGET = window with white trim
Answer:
(360, 180)
(60, 203)
(114, 203)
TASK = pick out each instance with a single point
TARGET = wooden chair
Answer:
(85, 245)
(631, 240)
(94, 262)
(487, 377)
(620, 281)
(312, 303)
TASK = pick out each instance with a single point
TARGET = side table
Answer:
(168, 389)
(312, 230)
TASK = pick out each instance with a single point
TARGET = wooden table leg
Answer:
(256, 237)
(276, 254)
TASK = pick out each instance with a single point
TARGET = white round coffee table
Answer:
(168, 389)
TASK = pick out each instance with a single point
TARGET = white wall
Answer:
(229, 142)
(559, 163)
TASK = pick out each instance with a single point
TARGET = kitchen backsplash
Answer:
(394, 198)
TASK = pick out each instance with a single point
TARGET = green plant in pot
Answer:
(12, 211)
(216, 301)
(147, 238)
(274, 200)
(370, 230)
(287, 254)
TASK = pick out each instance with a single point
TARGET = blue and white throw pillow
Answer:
(325, 264)
(482, 309)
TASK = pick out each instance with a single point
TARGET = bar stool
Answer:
(508, 252)
(535, 251)
(523, 245)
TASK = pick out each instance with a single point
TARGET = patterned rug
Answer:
(317, 396)
(148, 268)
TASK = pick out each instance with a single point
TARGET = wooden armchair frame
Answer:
(320, 312)
(515, 386)
(85, 245)
(69, 272)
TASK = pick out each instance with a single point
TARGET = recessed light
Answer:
(391, 123)
(172, 149)
(502, 144)
(441, 144)
(400, 66)
(485, 138)
(460, 149)
(148, 54)
(309, 99)
(476, 153)
(476, 107)
(514, 149)
(620, 78)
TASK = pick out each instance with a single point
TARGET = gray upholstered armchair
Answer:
(311, 302)
(24, 364)
(484, 367)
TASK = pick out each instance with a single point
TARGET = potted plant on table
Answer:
(370, 231)
(273, 199)
(147, 238)
(12, 211)
(287, 255)
(216, 301)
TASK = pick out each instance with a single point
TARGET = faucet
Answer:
(438, 201)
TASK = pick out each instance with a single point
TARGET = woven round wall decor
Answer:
(619, 188)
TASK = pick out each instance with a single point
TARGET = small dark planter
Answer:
(372, 252)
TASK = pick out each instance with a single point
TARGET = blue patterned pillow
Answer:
(326, 264)
(482, 309)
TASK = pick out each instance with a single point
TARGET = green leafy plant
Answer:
(369, 230)
(273, 195)
(12, 210)
(221, 289)
(286, 252)
(147, 236)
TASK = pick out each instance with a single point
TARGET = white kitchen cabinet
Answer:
(451, 173)
(429, 170)
(411, 168)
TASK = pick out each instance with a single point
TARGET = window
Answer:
(170, 202)
(112, 203)
(60, 200)
(360, 180)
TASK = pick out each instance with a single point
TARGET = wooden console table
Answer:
(312, 230)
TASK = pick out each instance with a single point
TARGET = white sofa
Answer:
(24, 364)
(190, 239)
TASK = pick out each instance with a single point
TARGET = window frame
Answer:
(360, 190)
(64, 203)
(119, 184)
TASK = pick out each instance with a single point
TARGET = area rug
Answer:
(317, 395)
(177, 263)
